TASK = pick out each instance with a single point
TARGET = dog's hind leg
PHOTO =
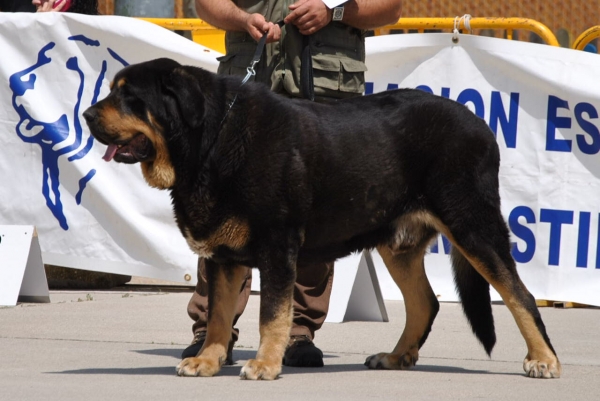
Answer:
(224, 286)
(483, 240)
(500, 272)
(408, 271)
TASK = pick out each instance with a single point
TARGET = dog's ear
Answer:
(184, 88)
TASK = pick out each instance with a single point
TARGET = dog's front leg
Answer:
(276, 292)
(224, 283)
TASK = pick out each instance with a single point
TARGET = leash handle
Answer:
(250, 72)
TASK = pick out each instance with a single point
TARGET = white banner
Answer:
(541, 101)
(543, 104)
(89, 214)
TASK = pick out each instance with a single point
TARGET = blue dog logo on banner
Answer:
(59, 133)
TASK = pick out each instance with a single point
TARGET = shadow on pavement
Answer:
(173, 352)
(241, 356)
(235, 370)
(147, 371)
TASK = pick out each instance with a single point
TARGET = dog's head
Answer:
(148, 105)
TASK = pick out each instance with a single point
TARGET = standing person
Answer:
(335, 38)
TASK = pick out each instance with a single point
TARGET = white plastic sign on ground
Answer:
(22, 275)
(356, 295)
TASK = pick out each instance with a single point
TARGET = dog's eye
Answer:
(132, 102)
(136, 106)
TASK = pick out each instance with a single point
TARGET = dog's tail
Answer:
(474, 293)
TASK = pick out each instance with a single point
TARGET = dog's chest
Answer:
(233, 233)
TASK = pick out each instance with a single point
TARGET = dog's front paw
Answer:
(256, 369)
(198, 366)
(549, 369)
(393, 361)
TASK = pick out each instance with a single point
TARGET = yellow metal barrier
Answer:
(586, 37)
(203, 33)
(507, 24)
(213, 38)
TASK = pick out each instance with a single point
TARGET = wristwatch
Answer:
(338, 13)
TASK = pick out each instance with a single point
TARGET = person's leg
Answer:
(311, 304)
(198, 311)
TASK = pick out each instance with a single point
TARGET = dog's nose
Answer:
(90, 114)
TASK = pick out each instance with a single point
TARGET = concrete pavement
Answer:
(124, 345)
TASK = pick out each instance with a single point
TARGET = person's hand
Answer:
(309, 16)
(257, 26)
(43, 6)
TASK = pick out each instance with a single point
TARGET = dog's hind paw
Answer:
(256, 369)
(392, 361)
(198, 367)
(542, 369)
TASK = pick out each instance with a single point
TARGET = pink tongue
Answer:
(110, 152)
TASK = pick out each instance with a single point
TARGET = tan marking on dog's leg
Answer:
(540, 361)
(408, 271)
(233, 233)
(222, 311)
(274, 337)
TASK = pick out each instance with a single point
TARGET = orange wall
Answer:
(574, 16)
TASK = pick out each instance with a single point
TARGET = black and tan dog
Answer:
(258, 179)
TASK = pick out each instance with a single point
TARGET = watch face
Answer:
(338, 13)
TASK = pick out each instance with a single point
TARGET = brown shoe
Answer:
(197, 343)
(302, 353)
